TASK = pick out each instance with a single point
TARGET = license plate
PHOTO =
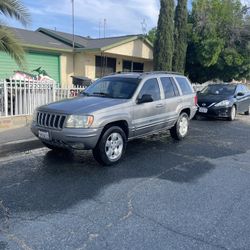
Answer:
(203, 110)
(43, 135)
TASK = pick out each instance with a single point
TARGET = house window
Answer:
(129, 66)
(104, 66)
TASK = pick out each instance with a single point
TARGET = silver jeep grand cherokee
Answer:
(115, 109)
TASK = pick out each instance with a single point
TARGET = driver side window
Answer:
(150, 87)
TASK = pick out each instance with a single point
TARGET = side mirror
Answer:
(240, 94)
(145, 98)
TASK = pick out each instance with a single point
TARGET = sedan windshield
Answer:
(219, 89)
(113, 87)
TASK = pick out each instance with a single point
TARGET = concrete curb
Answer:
(12, 122)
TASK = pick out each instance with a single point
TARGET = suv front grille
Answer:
(49, 120)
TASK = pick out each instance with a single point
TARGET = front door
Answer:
(147, 117)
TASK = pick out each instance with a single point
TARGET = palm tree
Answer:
(8, 42)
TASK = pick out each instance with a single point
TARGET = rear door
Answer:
(147, 117)
(171, 101)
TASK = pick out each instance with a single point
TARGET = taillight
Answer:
(195, 100)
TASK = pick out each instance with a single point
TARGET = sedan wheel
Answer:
(248, 111)
(232, 113)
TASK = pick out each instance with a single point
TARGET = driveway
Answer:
(192, 194)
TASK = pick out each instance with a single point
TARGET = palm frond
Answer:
(11, 45)
(15, 9)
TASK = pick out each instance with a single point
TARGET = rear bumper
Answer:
(70, 138)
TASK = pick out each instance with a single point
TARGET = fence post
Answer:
(54, 92)
(5, 91)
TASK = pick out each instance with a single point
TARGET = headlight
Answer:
(79, 121)
(224, 103)
(34, 115)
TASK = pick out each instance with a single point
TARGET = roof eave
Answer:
(32, 46)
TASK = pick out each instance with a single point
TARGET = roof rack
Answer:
(146, 73)
(163, 72)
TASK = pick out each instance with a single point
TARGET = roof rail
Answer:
(125, 72)
(146, 73)
(163, 72)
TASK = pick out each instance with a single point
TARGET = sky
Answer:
(122, 17)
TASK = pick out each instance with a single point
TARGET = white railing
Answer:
(21, 98)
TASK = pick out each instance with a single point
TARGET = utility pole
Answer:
(73, 23)
(73, 33)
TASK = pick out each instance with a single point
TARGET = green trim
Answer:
(46, 48)
(59, 70)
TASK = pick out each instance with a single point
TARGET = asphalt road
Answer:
(193, 194)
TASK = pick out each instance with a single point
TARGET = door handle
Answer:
(159, 105)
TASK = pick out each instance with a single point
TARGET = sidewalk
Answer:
(16, 135)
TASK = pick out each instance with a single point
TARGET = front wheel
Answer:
(111, 147)
(232, 114)
(180, 129)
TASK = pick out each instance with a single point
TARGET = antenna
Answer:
(104, 27)
(100, 24)
(144, 27)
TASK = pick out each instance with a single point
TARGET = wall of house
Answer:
(136, 48)
(85, 64)
(66, 69)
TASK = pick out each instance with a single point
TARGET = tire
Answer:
(180, 129)
(248, 111)
(111, 146)
(232, 113)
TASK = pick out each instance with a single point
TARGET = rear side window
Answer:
(151, 87)
(184, 85)
(169, 87)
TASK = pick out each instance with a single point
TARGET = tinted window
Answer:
(115, 87)
(168, 87)
(151, 87)
(219, 89)
(184, 85)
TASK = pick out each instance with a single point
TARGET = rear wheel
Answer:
(180, 129)
(232, 114)
(111, 147)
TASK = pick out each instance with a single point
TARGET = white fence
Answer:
(21, 98)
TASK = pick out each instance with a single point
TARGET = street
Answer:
(192, 194)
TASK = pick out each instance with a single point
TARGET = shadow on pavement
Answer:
(56, 181)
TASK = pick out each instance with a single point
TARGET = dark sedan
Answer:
(223, 100)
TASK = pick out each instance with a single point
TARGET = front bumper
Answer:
(69, 137)
(223, 112)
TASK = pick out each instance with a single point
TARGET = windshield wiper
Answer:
(102, 94)
(85, 93)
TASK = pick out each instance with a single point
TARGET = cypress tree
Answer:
(180, 36)
(163, 47)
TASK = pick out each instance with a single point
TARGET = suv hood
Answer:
(81, 105)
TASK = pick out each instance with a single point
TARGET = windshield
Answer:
(219, 89)
(113, 87)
